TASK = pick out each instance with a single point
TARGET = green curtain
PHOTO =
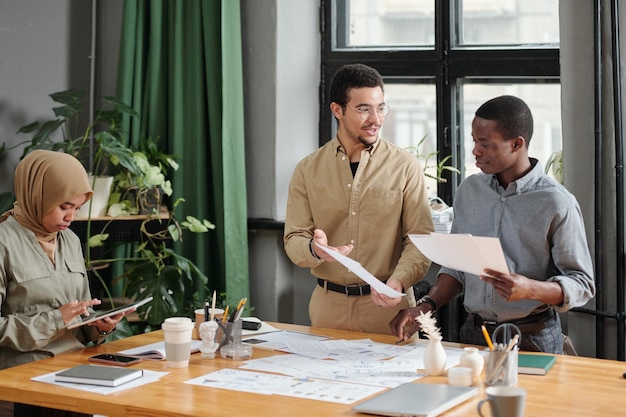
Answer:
(180, 68)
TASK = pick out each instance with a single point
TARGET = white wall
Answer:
(45, 47)
(282, 72)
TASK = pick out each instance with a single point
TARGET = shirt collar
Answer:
(338, 148)
(528, 180)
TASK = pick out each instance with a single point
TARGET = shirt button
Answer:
(354, 213)
(349, 185)
(343, 158)
(502, 199)
(352, 241)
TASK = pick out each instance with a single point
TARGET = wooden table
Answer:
(575, 386)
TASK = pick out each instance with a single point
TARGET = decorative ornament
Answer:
(435, 354)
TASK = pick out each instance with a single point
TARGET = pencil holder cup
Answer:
(230, 345)
(501, 367)
(228, 332)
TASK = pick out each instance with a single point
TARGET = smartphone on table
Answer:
(114, 359)
(250, 325)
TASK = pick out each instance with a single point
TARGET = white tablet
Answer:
(102, 314)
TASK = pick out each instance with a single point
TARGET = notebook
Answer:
(108, 376)
(532, 364)
(416, 400)
(155, 351)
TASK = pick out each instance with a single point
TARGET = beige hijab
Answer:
(43, 180)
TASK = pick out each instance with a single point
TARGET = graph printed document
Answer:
(416, 400)
(462, 252)
(362, 273)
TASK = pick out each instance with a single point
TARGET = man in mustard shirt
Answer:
(362, 196)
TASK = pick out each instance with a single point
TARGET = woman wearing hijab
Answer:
(43, 281)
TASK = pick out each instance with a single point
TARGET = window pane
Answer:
(544, 101)
(411, 123)
(382, 23)
(509, 22)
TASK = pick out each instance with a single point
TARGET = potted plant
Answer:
(154, 268)
(142, 192)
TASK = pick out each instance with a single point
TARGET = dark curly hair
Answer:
(512, 116)
(353, 76)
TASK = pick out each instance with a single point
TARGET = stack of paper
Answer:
(442, 220)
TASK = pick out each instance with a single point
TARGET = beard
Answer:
(369, 140)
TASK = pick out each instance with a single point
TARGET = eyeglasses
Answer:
(366, 111)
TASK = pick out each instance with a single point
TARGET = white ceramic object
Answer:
(472, 359)
(460, 376)
(435, 357)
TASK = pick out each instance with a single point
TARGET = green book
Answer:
(534, 364)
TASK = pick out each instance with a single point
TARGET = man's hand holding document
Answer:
(362, 273)
(462, 252)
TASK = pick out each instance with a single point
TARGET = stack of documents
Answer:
(442, 220)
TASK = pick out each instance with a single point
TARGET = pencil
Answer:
(213, 307)
(225, 317)
(486, 335)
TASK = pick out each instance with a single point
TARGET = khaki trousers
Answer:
(355, 313)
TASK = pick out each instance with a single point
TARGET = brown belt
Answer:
(529, 324)
(347, 290)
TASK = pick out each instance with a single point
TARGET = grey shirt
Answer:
(541, 230)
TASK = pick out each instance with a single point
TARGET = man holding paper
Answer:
(361, 196)
(540, 228)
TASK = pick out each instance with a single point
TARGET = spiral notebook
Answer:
(416, 400)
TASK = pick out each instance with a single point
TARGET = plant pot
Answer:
(99, 203)
(149, 199)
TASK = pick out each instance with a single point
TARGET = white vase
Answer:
(100, 200)
(473, 360)
(435, 357)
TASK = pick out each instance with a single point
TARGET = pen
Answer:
(486, 335)
(206, 311)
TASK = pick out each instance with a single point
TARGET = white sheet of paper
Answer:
(362, 273)
(463, 252)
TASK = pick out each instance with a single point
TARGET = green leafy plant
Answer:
(134, 192)
(436, 170)
(555, 165)
(156, 270)
(108, 145)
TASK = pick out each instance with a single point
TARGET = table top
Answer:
(575, 386)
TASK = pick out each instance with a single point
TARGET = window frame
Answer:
(447, 64)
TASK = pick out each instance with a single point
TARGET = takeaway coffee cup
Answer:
(177, 337)
(504, 401)
(218, 313)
